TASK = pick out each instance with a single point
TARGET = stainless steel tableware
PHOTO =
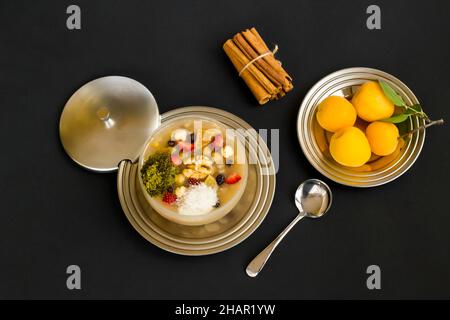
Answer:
(104, 127)
(107, 121)
(313, 199)
(344, 83)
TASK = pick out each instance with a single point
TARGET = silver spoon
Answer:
(313, 199)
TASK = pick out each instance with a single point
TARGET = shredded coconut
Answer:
(197, 200)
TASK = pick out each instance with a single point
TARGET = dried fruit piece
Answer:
(180, 179)
(199, 176)
(233, 178)
(211, 182)
(218, 141)
(188, 172)
(169, 198)
(220, 179)
(193, 181)
(185, 146)
(203, 169)
(176, 160)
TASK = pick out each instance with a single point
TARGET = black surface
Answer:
(53, 213)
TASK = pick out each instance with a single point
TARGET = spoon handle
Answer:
(257, 264)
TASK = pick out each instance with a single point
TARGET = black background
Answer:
(53, 213)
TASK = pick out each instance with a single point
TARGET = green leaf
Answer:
(403, 127)
(391, 94)
(397, 118)
(415, 108)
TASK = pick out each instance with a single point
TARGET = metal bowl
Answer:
(214, 237)
(344, 83)
(172, 215)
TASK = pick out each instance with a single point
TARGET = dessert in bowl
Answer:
(193, 170)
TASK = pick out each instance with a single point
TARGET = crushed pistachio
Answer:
(158, 173)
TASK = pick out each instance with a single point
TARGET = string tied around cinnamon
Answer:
(273, 52)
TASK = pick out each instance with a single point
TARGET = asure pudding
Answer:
(194, 171)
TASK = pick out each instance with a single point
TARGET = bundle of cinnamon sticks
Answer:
(257, 65)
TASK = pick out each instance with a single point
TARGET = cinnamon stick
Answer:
(260, 93)
(278, 64)
(260, 46)
(257, 66)
(270, 72)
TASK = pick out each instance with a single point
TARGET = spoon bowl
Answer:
(313, 198)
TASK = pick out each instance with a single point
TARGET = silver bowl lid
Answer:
(106, 121)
